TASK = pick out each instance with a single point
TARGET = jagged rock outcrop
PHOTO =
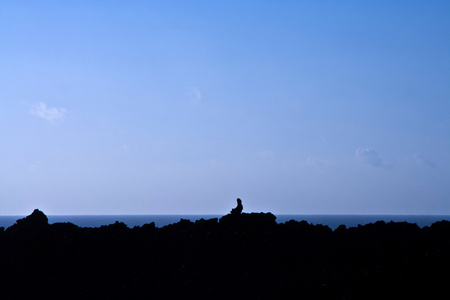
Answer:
(249, 220)
(240, 256)
(37, 221)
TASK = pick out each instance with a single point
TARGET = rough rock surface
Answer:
(245, 256)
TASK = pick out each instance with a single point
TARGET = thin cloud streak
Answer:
(419, 159)
(320, 164)
(195, 94)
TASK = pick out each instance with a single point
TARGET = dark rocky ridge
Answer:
(240, 256)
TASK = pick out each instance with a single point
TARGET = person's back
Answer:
(238, 209)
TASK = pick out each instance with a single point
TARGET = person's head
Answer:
(239, 200)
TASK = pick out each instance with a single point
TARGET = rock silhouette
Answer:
(35, 222)
(239, 256)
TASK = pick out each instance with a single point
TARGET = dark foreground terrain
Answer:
(243, 256)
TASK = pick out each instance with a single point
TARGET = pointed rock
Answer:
(36, 221)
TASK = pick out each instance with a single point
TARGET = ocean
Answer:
(333, 221)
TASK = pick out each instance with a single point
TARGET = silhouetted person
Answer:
(238, 209)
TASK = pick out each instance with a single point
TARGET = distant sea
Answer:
(333, 221)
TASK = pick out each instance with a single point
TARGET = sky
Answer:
(180, 107)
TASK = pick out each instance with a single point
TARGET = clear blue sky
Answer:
(180, 107)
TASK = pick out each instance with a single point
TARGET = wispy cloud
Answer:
(371, 157)
(419, 159)
(319, 163)
(195, 94)
(41, 110)
(265, 154)
(34, 167)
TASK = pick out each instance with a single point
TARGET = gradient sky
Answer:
(180, 107)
